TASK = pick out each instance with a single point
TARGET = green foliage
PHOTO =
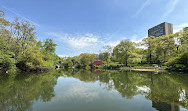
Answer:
(125, 52)
(172, 61)
(33, 59)
(80, 61)
(167, 49)
(49, 46)
(6, 60)
(87, 67)
(183, 58)
(67, 63)
(20, 48)
(29, 87)
(86, 59)
(105, 56)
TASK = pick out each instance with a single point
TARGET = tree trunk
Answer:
(150, 57)
(126, 60)
(164, 56)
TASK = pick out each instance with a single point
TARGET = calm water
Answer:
(81, 90)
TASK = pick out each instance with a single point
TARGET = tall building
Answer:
(161, 29)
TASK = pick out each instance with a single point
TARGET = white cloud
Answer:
(176, 30)
(87, 43)
(113, 44)
(134, 38)
(63, 55)
(78, 91)
(144, 89)
(77, 41)
(180, 27)
(147, 2)
(170, 8)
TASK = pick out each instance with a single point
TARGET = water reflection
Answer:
(162, 106)
(18, 93)
(168, 90)
(78, 89)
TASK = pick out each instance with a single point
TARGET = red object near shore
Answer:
(96, 63)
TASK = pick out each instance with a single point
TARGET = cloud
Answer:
(19, 15)
(61, 55)
(77, 41)
(81, 92)
(112, 43)
(170, 7)
(146, 3)
(134, 38)
(144, 89)
(86, 43)
(77, 91)
(180, 27)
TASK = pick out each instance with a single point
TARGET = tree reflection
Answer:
(17, 93)
(169, 88)
(167, 91)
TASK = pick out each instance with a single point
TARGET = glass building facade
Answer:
(161, 29)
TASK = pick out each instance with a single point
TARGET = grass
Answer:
(142, 67)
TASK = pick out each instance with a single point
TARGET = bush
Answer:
(87, 67)
(172, 61)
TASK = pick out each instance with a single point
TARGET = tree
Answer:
(150, 43)
(108, 49)
(105, 56)
(125, 52)
(24, 34)
(20, 48)
(165, 47)
(183, 58)
(49, 46)
(86, 58)
(68, 62)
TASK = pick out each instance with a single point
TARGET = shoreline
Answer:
(144, 69)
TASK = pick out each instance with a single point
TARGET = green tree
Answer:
(86, 58)
(125, 52)
(150, 43)
(20, 48)
(49, 46)
(67, 63)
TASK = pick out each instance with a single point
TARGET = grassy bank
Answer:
(143, 67)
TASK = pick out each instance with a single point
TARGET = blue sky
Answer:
(79, 26)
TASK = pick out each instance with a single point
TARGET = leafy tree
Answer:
(20, 48)
(125, 52)
(68, 62)
(183, 58)
(49, 46)
(150, 43)
(86, 58)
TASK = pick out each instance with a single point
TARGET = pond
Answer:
(84, 90)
